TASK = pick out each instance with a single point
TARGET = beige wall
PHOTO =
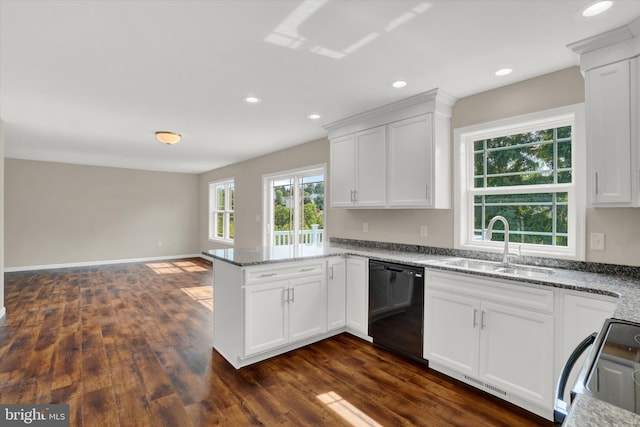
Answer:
(248, 188)
(63, 214)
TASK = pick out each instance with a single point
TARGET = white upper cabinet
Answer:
(356, 162)
(396, 156)
(609, 133)
(609, 62)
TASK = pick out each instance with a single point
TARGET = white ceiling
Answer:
(90, 82)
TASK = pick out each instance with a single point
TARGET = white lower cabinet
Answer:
(358, 295)
(336, 293)
(283, 311)
(493, 334)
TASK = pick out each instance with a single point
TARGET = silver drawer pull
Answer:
(268, 274)
(307, 269)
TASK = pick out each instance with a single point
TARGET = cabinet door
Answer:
(609, 133)
(265, 317)
(451, 331)
(357, 294)
(342, 180)
(516, 352)
(371, 168)
(336, 293)
(582, 316)
(410, 144)
(307, 307)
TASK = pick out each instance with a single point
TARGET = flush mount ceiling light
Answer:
(314, 116)
(503, 72)
(596, 8)
(168, 137)
(252, 99)
(399, 84)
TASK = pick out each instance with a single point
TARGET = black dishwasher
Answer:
(396, 307)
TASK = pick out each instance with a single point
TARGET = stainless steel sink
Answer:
(526, 271)
(497, 267)
(473, 264)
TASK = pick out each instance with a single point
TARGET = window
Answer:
(221, 207)
(294, 210)
(529, 170)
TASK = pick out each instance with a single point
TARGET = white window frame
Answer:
(267, 200)
(463, 180)
(227, 212)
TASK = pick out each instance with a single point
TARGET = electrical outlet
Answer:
(597, 242)
(365, 227)
(424, 231)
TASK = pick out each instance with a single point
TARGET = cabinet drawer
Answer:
(498, 290)
(282, 271)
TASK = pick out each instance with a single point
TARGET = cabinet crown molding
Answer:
(432, 101)
(608, 47)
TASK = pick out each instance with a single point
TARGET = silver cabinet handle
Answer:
(475, 317)
(268, 274)
(306, 269)
(596, 181)
(352, 196)
(287, 297)
(482, 320)
(293, 294)
(331, 272)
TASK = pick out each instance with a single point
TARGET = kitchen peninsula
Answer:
(268, 303)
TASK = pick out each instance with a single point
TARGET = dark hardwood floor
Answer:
(131, 345)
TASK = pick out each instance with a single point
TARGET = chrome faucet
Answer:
(489, 232)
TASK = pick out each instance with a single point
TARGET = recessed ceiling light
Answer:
(596, 8)
(252, 99)
(314, 116)
(503, 72)
(399, 84)
(168, 137)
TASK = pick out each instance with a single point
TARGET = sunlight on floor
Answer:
(175, 267)
(346, 410)
(202, 294)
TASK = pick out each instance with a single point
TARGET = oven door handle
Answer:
(561, 408)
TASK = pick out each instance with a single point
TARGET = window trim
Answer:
(463, 179)
(213, 209)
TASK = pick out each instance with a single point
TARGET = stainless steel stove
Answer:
(611, 371)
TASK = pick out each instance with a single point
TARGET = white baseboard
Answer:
(3, 311)
(92, 263)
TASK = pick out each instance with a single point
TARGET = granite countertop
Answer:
(602, 279)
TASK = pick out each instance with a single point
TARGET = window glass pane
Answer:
(531, 158)
(283, 212)
(539, 218)
(312, 206)
(231, 226)
(219, 225)
(232, 197)
(220, 197)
